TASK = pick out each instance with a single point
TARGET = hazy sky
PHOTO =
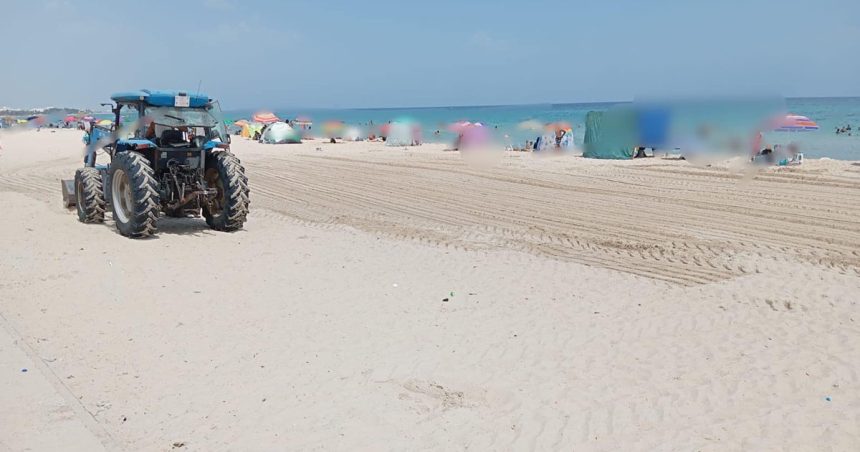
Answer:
(345, 53)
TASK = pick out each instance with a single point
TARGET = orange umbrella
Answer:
(265, 117)
(556, 126)
(241, 122)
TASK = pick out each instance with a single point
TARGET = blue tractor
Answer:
(169, 154)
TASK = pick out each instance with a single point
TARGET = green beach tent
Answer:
(610, 134)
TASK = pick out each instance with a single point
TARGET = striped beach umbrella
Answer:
(265, 117)
(793, 123)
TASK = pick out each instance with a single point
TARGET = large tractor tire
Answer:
(90, 195)
(134, 195)
(229, 208)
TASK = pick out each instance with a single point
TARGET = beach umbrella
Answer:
(70, 118)
(531, 124)
(36, 119)
(384, 129)
(265, 117)
(87, 118)
(557, 126)
(332, 128)
(105, 123)
(403, 134)
(241, 122)
(474, 136)
(793, 123)
(461, 126)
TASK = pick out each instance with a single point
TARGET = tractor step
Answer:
(68, 192)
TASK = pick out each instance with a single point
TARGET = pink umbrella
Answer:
(461, 127)
(476, 135)
(70, 118)
(265, 117)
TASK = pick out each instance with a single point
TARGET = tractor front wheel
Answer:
(89, 195)
(229, 208)
(134, 195)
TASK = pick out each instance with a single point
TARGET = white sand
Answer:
(644, 305)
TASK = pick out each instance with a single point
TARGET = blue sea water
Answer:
(829, 113)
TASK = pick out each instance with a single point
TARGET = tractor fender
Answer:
(215, 145)
(133, 144)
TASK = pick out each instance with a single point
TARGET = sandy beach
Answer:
(386, 298)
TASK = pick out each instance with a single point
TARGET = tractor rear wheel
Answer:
(228, 210)
(89, 195)
(134, 195)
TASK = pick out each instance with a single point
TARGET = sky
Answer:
(345, 53)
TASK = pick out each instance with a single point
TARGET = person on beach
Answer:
(150, 131)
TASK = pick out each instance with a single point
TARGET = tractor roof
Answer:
(160, 98)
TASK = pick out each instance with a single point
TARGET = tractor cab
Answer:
(168, 120)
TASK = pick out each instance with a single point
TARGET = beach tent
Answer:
(352, 133)
(279, 133)
(251, 129)
(403, 133)
(653, 127)
(610, 134)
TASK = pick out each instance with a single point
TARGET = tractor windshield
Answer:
(208, 119)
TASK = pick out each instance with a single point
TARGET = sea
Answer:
(830, 114)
